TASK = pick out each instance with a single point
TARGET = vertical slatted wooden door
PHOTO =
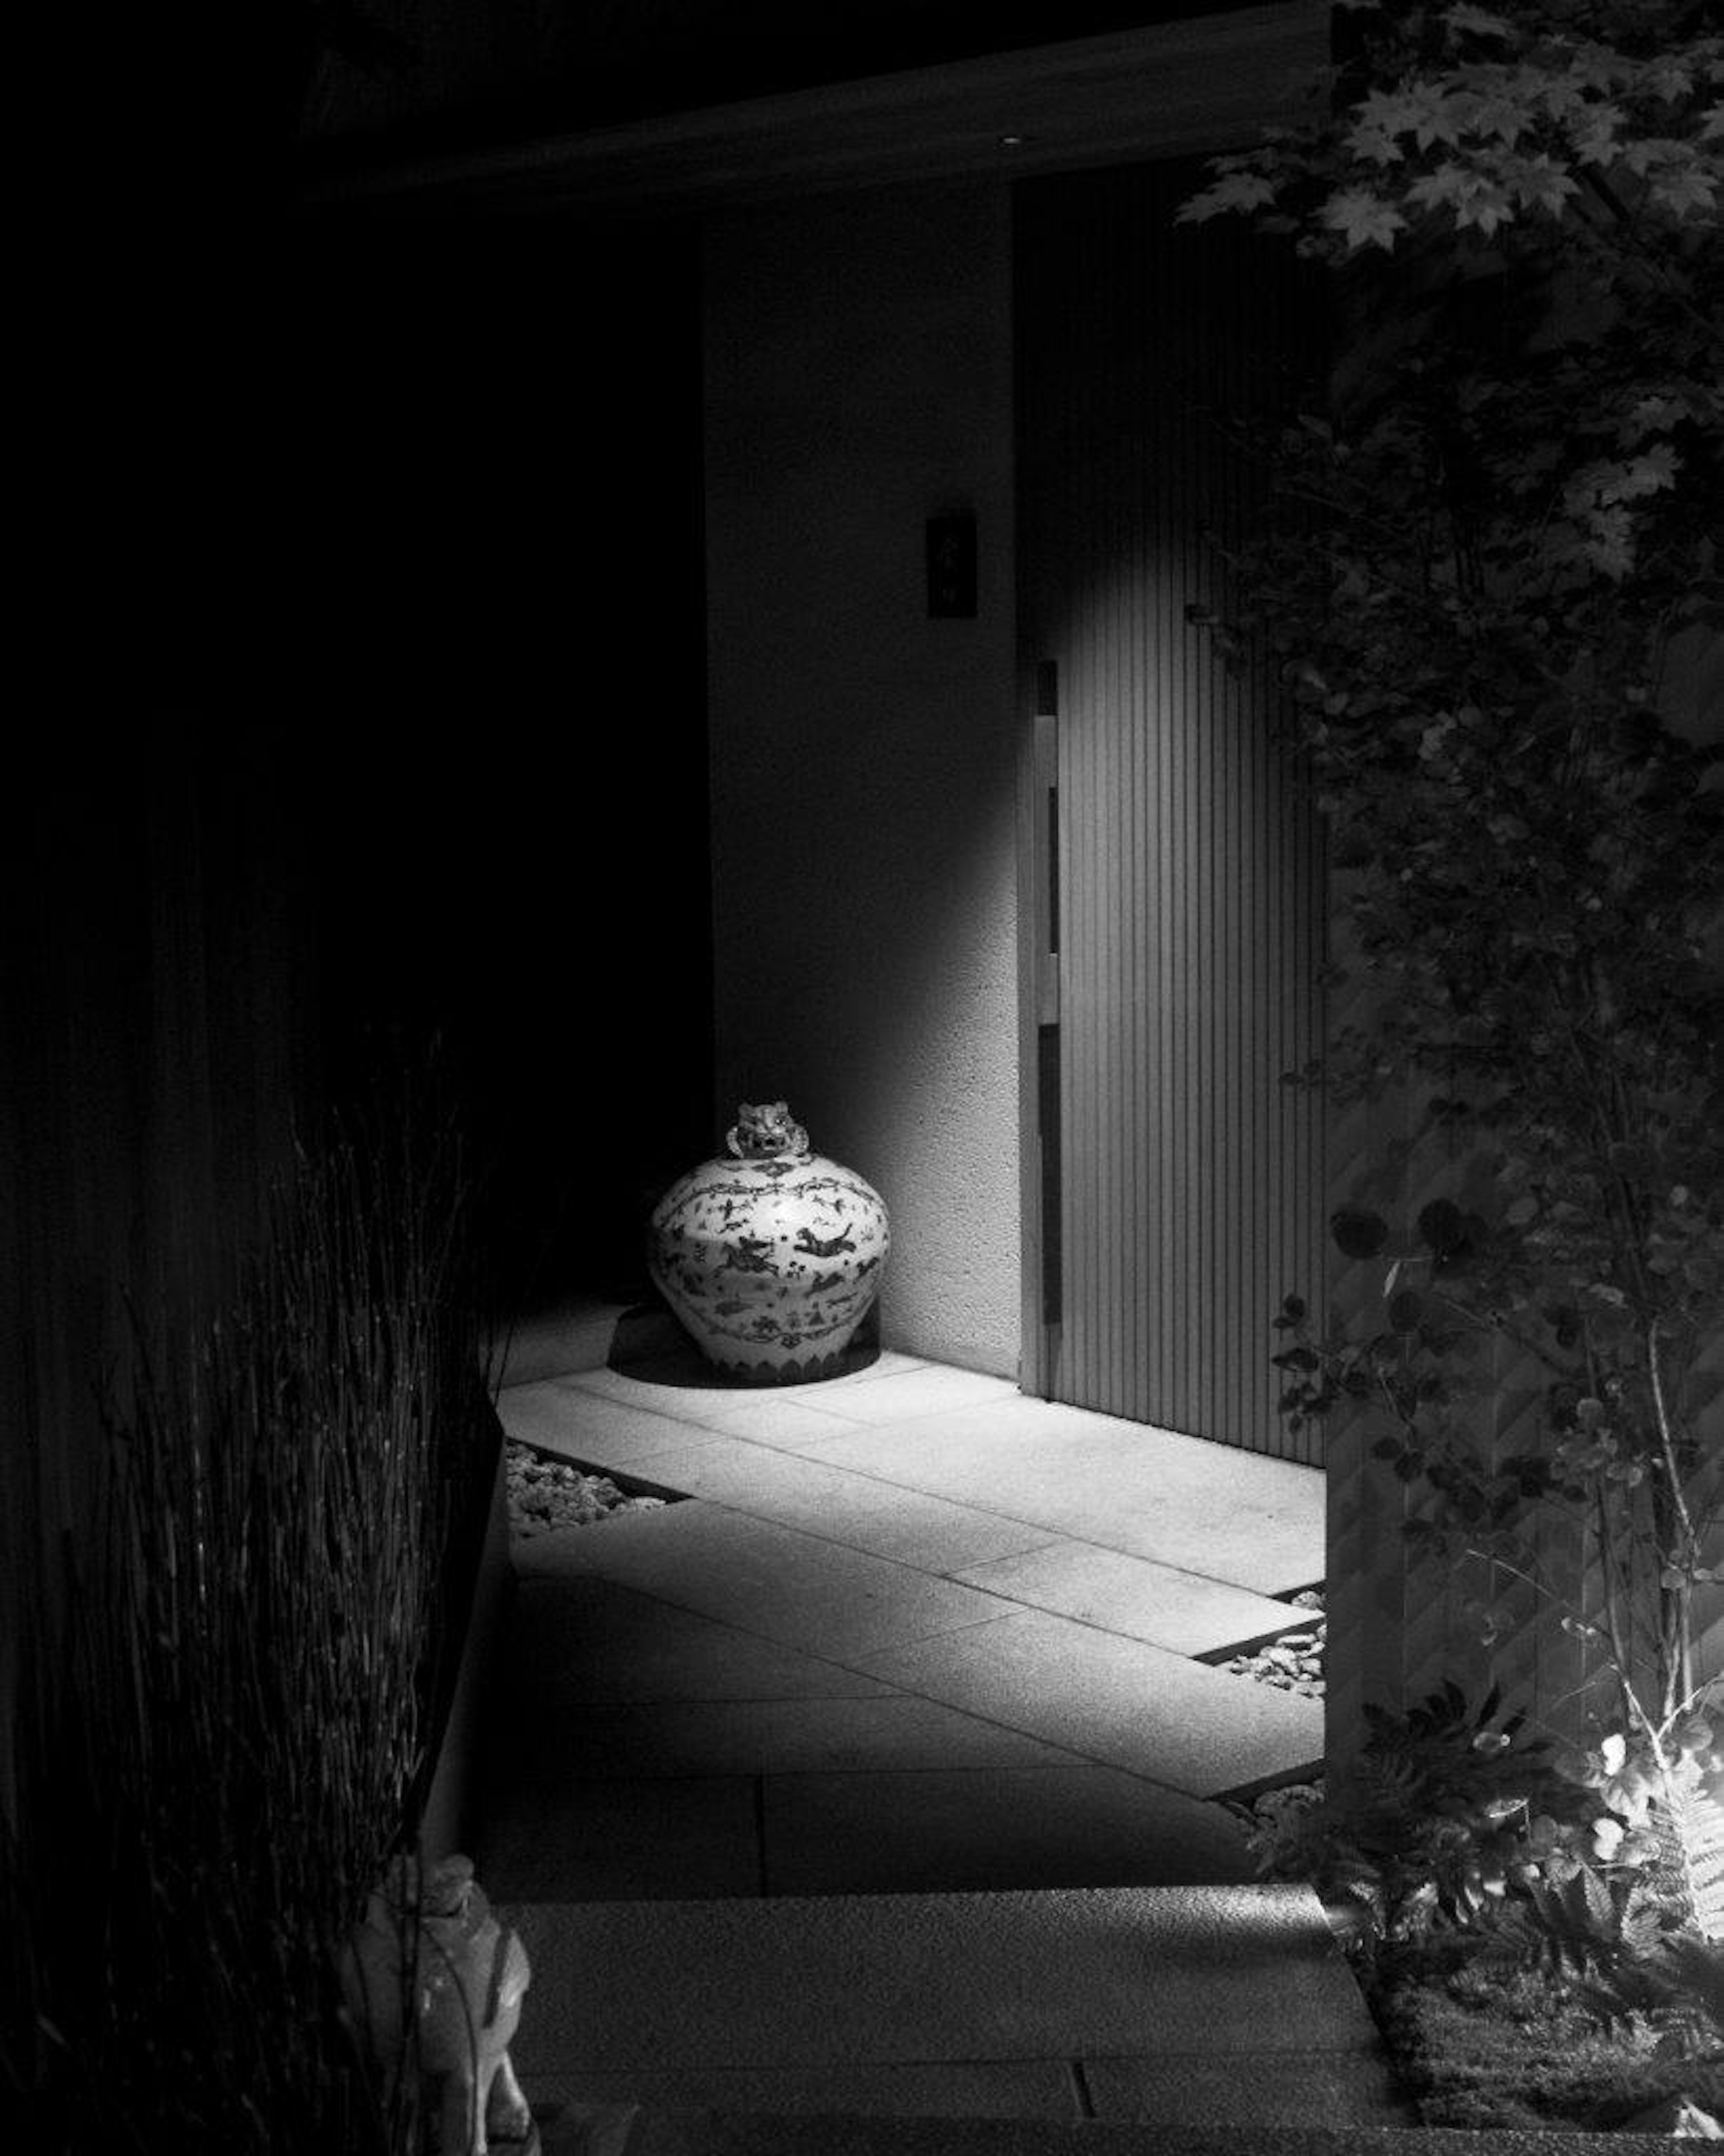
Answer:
(1173, 1182)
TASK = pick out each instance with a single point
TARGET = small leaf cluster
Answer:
(1681, 1981)
(1452, 1822)
(1606, 1295)
(1422, 1829)
(1491, 547)
(1478, 121)
(1630, 1915)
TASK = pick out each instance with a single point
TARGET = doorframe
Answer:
(1039, 992)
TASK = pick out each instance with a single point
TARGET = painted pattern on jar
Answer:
(771, 1256)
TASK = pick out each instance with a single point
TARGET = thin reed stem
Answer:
(246, 1713)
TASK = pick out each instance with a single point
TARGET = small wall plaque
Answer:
(952, 568)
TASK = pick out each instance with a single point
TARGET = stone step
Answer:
(631, 2131)
(1144, 2007)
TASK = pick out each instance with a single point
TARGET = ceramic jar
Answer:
(769, 1254)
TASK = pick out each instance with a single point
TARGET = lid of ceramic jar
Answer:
(764, 1131)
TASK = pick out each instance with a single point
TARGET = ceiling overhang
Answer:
(1171, 89)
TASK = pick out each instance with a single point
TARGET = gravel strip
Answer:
(1293, 1661)
(546, 1495)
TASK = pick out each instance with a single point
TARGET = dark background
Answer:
(497, 642)
(410, 76)
(365, 570)
(370, 583)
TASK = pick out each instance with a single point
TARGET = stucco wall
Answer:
(859, 381)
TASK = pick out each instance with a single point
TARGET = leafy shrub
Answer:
(1492, 2049)
(1425, 1827)
(1495, 552)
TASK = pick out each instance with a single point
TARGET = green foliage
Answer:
(1486, 2048)
(1625, 1913)
(1528, 1949)
(1477, 122)
(1490, 580)
(1539, 1889)
(1681, 1979)
(1582, 1925)
(1687, 1819)
(1423, 1827)
(1495, 555)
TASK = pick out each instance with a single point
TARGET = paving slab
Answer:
(1257, 1522)
(989, 2089)
(1264, 2089)
(563, 1839)
(902, 1395)
(794, 1588)
(674, 1363)
(1225, 1970)
(859, 1511)
(562, 1415)
(776, 1418)
(628, 2131)
(588, 1639)
(1135, 1596)
(672, 1392)
(878, 1388)
(784, 1735)
(1121, 1702)
(550, 1343)
(994, 1827)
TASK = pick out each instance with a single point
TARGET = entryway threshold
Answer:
(912, 1630)
(1205, 2007)
(635, 2133)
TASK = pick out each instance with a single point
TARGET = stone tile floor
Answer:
(912, 1630)
(1165, 2005)
(873, 1785)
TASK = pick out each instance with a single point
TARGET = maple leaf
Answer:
(1539, 183)
(1650, 415)
(1465, 20)
(1424, 109)
(1562, 95)
(1394, 112)
(1649, 473)
(1433, 189)
(1362, 219)
(1481, 202)
(1584, 488)
(1441, 115)
(1596, 494)
(1594, 132)
(1504, 117)
(1234, 194)
(1667, 80)
(1599, 68)
(1609, 544)
(1372, 145)
(1653, 150)
(1680, 191)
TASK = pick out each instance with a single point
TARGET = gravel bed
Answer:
(1294, 1662)
(545, 1495)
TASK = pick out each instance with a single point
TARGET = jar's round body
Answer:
(771, 1264)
